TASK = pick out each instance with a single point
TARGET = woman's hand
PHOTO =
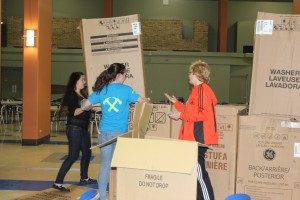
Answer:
(175, 116)
(172, 98)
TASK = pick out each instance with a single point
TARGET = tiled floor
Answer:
(27, 169)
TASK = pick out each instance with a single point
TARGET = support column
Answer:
(223, 15)
(1, 17)
(37, 73)
(296, 5)
(108, 11)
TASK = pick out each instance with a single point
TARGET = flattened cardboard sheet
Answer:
(109, 40)
(51, 193)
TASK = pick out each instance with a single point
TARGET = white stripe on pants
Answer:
(202, 183)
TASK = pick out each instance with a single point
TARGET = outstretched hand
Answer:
(172, 98)
(175, 116)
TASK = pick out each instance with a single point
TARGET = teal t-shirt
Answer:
(114, 100)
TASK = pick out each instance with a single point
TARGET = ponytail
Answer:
(108, 76)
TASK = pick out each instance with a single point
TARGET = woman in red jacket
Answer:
(198, 121)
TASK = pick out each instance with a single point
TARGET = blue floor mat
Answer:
(35, 185)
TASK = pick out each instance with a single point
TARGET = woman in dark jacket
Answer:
(77, 131)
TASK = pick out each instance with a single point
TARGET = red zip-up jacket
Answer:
(199, 116)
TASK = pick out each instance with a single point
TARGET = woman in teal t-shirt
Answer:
(114, 98)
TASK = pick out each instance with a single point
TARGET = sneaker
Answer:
(60, 187)
(88, 181)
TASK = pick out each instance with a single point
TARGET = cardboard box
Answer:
(158, 169)
(109, 40)
(112, 184)
(140, 114)
(221, 160)
(175, 125)
(268, 159)
(141, 117)
(275, 84)
(159, 123)
(175, 128)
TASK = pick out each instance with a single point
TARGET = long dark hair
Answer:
(108, 76)
(71, 86)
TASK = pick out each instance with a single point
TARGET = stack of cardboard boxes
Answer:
(269, 138)
(257, 154)
(221, 160)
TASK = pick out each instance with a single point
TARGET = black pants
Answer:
(79, 140)
(204, 187)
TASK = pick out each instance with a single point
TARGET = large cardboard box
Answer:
(109, 40)
(221, 159)
(275, 85)
(155, 169)
(268, 159)
(159, 123)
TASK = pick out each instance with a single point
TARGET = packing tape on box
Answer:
(289, 124)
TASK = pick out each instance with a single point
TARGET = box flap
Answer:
(144, 120)
(158, 155)
(232, 109)
(142, 114)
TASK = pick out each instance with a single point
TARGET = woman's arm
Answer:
(86, 105)
(78, 111)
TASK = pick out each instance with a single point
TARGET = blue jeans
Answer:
(106, 157)
(79, 141)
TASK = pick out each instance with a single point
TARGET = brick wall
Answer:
(157, 34)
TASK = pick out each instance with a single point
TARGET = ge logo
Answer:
(269, 154)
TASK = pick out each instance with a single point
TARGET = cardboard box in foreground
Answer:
(155, 169)
(268, 159)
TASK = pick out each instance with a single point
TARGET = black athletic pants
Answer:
(204, 187)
